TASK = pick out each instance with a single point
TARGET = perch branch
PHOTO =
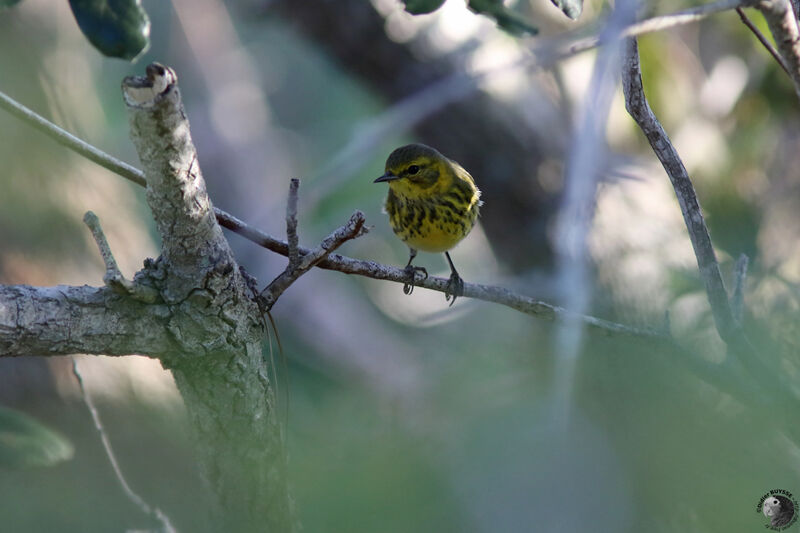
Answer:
(762, 39)
(347, 265)
(153, 512)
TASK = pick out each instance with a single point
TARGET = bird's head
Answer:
(415, 170)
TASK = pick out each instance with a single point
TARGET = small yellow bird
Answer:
(432, 204)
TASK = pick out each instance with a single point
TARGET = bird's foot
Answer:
(411, 273)
(454, 289)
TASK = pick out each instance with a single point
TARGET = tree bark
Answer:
(199, 320)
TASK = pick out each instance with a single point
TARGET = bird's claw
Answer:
(411, 273)
(454, 289)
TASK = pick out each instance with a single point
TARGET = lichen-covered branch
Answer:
(176, 193)
(214, 322)
(64, 320)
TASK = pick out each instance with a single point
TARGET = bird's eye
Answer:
(413, 169)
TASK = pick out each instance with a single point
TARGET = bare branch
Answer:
(353, 229)
(487, 293)
(63, 320)
(191, 240)
(113, 278)
(762, 39)
(739, 346)
(335, 262)
(659, 23)
(72, 142)
(291, 224)
(782, 22)
(639, 109)
(218, 366)
(153, 512)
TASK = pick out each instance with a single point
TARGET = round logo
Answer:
(780, 508)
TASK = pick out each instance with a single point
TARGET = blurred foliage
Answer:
(506, 18)
(402, 417)
(571, 8)
(422, 7)
(24, 442)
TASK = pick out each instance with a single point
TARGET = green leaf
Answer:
(571, 8)
(8, 3)
(118, 28)
(420, 7)
(507, 19)
(25, 442)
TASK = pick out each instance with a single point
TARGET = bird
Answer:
(433, 203)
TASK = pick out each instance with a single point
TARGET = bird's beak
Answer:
(386, 177)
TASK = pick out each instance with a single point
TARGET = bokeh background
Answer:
(403, 414)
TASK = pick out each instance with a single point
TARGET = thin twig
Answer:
(762, 39)
(658, 23)
(153, 512)
(291, 224)
(353, 229)
(113, 278)
(737, 299)
(75, 144)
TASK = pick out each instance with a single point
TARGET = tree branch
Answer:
(291, 225)
(347, 265)
(772, 384)
(63, 320)
(639, 109)
(154, 513)
(658, 23)
(191, 240)
(217, 364)
(782, 23)
(70, 141)
(300, 264)
(762, 39)
(113, 278)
